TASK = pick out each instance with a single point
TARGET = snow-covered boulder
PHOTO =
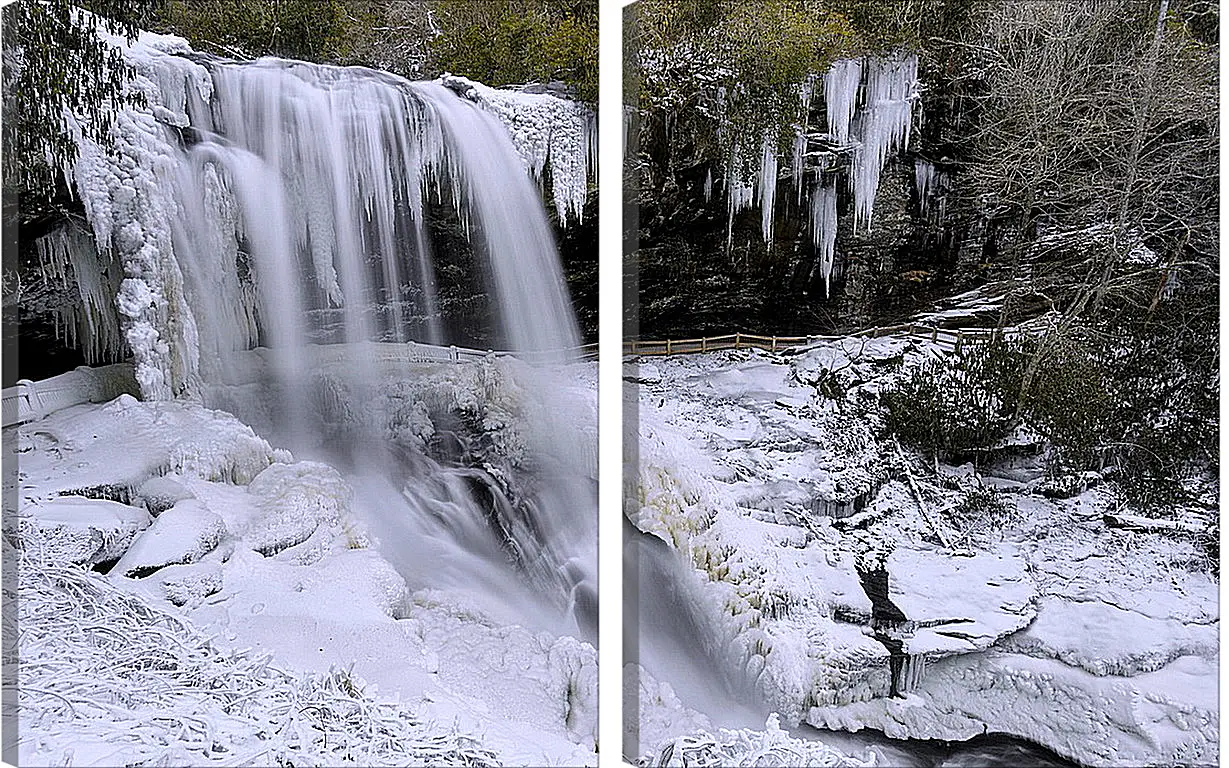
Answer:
(85, 531)
(294, 501)
(182, 534)
(161, 493)
(188, 584)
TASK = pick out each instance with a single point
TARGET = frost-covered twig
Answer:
(105, 675)
(770, 747)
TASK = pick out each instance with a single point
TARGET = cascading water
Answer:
(285, 205)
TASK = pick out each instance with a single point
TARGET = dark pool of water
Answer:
(993, 750)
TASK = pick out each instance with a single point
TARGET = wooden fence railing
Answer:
(951, 338)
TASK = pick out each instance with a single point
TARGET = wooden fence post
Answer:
(774, 343)
(737, 339)
(667, 346)
(704, 344)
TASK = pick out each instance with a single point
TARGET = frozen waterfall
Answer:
(280, 203)
(259, 239)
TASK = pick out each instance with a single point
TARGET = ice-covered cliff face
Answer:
(869, 104)
(272, 202)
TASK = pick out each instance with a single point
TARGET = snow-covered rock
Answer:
(182, 534)
(660, 716)
(162, 493)
(990, 595)
(322, 605)
(85, 531)
(184, 585)
(295, 501)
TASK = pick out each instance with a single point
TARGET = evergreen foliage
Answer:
(953, 403)
(54, 60)
(502, 42)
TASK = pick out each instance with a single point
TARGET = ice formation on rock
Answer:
(1061, 632)
(873, 127)
(149, 687)
(885, 122)
(546, 130)
(823, 229)
(280, 202)
(91, 324)
(771, 746)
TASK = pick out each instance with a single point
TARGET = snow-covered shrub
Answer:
(956, 402)
(980, 514)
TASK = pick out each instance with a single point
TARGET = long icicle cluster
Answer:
(869, 104)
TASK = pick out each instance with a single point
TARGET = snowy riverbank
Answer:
(1041, 621)
(247, 562)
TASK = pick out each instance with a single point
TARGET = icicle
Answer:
(884, 127)
(840, 97)
(708, 185)
(823, 229)
(767, 183)
(798, 161)
(912, 670)
(740, 189)
(924, 180)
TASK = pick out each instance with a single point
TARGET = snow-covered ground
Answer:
(249, 615)
(766, 472)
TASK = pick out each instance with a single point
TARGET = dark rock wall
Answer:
(691, 283)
